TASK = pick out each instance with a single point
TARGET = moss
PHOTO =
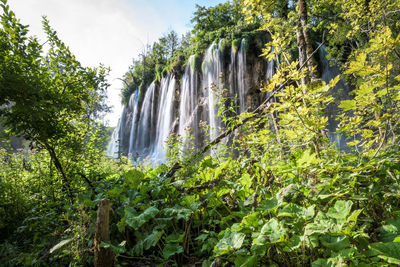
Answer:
(236, 44)
(176, 65)
(256, 40)
(223, 45)
(196, 62)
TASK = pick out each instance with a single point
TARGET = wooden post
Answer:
(103, 257)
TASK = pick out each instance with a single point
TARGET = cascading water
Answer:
(212, 70)
(269, 74)
(145, 129)
(189, 103)
(340, 92)
(270, 68)
(146, 126)
(241, 76)
(164, 118)
(133, 103)
(237, 78)
(113, 149)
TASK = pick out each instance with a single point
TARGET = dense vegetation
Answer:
(170, 54)
(291, 197)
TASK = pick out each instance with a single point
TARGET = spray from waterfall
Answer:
(164, 117)
(133, 104)
(145, 129)
(189, 103)
(340, 91)
(212, 72)
(241, 76)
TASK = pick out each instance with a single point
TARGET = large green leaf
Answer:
(245, 180)
(152, 239)
(246, 261)
(171, 249)
(175, 238)
(336, 243)
(251, 220)
(307, 159)
(135, 221)
(269, 205)
(274, 230)
(323, 263)
(318, 227)
(390, 230)
(291, 210)
(348, 105)
(177, 212)
(389, 252)
(229, 242)
(340, 210)
(133, 178)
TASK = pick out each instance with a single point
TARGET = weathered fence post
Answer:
(103, 257)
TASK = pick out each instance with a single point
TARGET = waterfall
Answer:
(340, 92)
(241, 76)
(238, 88)
(133, 104)
(113, 146)
(189, 103)
(164, 118)
(145, 129)
(124, 120)
(270, 67)
(147, 121)
(232, 79)
(212, 72)
(144, 126)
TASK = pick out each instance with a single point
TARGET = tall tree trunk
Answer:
(65, 184)
(305, 43)
(305, 46)
(301, 45)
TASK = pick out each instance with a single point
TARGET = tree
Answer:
(363, 38)
(305, 42)
(48, 99)
(169, 43)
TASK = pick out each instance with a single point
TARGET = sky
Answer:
(111, 32)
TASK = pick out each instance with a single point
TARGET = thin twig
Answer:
(380, 146)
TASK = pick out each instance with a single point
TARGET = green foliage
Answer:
(267, 211)
(222, 22)
(46, 97)
(289, 198)
(168, 54)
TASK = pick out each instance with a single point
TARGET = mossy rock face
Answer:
(256, 40)
(236, 44)
(197, 62)
(177, 66)
(159, 73)
(223, 45)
